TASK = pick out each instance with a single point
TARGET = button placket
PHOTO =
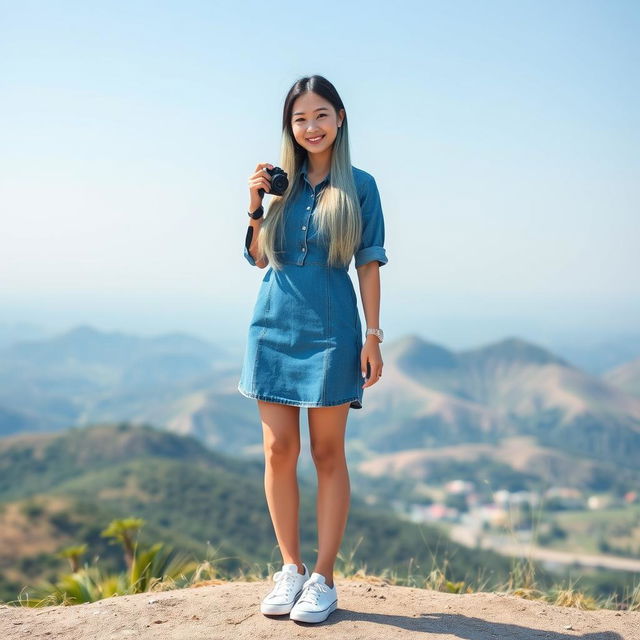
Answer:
(315, 192)
(304, 248)
(304, 238)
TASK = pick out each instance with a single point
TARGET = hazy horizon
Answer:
(503, 138)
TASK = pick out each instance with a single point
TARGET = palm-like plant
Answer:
(148, 569)
(123, 531)
(73, 555)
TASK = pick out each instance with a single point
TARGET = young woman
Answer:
(305, 346)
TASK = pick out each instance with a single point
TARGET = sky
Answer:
(503, 137)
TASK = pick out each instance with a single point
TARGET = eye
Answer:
(301, 119)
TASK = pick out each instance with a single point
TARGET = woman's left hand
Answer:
(371, 353)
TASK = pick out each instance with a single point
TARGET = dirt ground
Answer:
(373, 611)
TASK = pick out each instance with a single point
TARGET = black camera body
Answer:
(279, 182)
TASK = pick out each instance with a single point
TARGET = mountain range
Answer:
(510, 395)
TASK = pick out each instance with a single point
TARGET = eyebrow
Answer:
(301, 113)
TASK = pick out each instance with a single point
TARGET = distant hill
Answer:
(19, 331)
(515, 464)
(429, 397)
(12, 421)
(625, 377)
(64, 488)
(433, 397)
(85, 376)
(596, 355)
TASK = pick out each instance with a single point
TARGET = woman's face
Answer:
(313, 117)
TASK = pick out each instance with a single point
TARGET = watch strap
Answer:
(257, 213)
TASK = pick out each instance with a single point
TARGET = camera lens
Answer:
(279, 183)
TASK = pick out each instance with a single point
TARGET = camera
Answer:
(279, 182)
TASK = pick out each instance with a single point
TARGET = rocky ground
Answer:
(374, 611)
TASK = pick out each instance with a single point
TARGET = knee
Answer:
(327, 458)
(282, 450)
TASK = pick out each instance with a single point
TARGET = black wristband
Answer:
(257, 213)
(249, 237)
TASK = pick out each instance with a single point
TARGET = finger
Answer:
(376, 373)
(260, 182)
(370, 380)
(261, 174)
(261, 165)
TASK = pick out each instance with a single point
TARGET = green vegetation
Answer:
(146, 568)
(154, 568)
(93, 489)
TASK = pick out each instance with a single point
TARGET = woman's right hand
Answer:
(259, 180)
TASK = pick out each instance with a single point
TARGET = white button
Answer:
(303, 249)
(308, 208)
(303, 228)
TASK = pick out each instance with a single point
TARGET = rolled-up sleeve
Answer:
(372, 243)
(247, 255)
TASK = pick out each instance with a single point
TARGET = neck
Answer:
(318, 164)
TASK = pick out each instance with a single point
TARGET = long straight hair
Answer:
(338, 216)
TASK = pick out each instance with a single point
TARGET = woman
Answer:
(305, 346)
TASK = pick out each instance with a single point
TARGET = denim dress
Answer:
(305, 336)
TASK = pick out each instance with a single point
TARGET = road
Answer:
(466, 536)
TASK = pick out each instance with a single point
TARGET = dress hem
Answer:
(297, 403)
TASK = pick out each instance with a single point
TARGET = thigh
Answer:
(327, 426)
(280, 424)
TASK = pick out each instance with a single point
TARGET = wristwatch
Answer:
(375, 332)
(257, 213)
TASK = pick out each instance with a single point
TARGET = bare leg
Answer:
(281, 440)
(327, 427)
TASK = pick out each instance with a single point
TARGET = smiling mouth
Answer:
(314, 140)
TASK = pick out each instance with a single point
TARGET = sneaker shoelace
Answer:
(284, 582)
(311, 592)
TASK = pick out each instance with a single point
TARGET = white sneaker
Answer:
(317, 601)
(288, 587)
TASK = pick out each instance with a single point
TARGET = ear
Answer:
(341, 116)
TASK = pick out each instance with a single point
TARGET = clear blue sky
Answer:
(503, 137)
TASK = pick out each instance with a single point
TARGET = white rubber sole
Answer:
(314, 616)
(278, 609)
